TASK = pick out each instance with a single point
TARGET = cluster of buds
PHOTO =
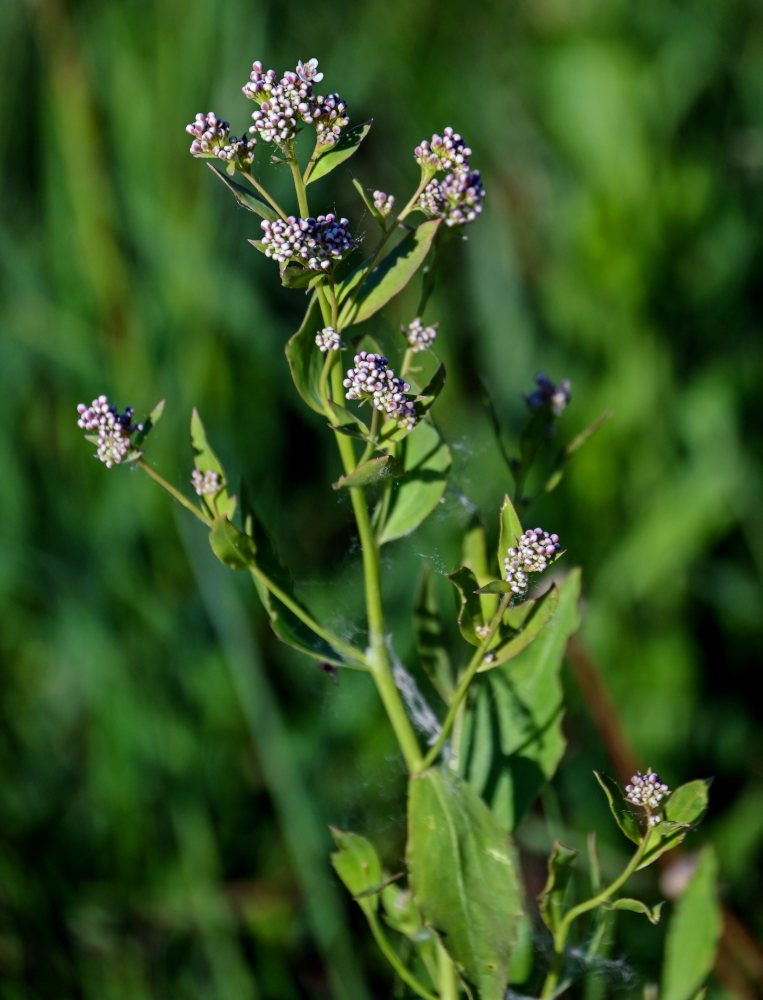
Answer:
(112, 431)
(370, 378)
(286, 103)
(548, 395)
(457, 197)
(328, 339)
(211, 137)
(313, 242)
(534, 552)
(647, 791)
(206, 483)
(420, 337)
(384, 203)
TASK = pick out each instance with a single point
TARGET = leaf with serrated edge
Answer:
(463, 877)
(342, 150)
(389, 276)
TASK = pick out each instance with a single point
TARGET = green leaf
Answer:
(622, 816)
(221, 504)
(430, 636)
(470, 610)
(372, 472)
(683, 810)
(463, 877)
(342, 150)
(569, 450)
(426, 459)
(652, 914)
(246, 196)
(305, 359)
(357, 865)
(232, 546)
(510, 531)
(295, 276)
(513, 737)
(388, 278)
(551, 899)
(401, 914)
(430, 392)
(474, 555)
(693, 933)
(541, 611)
(148, 425)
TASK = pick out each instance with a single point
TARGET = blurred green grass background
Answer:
(169, 770)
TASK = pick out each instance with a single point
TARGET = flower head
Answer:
(211, 137)
(534, 552)
(383, 203)
(328, 339)
(555, 397)
(206, 483)
(113, 431)
(288, 102)
(420, 337)
(313, 242)
(456, 197)
(372, 379)
(647, 791)
(443, 152)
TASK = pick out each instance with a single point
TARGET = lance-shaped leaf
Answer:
(146, 427)
(232, 546)
(295, 276)
(305, 359)
(430, 392)
(463, 877)
(430, 636)
(470, 610)
(220, 504)
(569, 450)
(342, 150)
(684, 808)
(357, 865)
(693, 933)
(371, 472)
(474, 555)
(510, 531)
(512, 640)
(551, 899)
(426, 459)
(652, 913)
(388, 278)
(622, 816)
(246, 196)
(513, 737)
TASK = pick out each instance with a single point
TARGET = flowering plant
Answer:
(458, 921)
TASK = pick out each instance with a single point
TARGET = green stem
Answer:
(307, 619)
(188, 504)
(447, 979)
(261, 190)
(299, 187)
(389, 953)
(463, 685)
(552, 979)
(377, 655)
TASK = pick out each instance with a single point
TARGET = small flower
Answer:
(555, 397)
(206, 483)
(383, 203)
(212, 138)
(372, 379)
(456, 199)
(309, 71)
(647, 791)
(328, 339)
(420, 337)
(313, 242)
(329, 117)
(444, 152)
(113, 430)
(534, 552)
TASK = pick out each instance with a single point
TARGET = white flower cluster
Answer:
(314, 242)
(534, 552)
(287, 102)
(457, 197)
(328, 339)
(212, 138)
(647, 791)
(208, 482)
(372, 379)
(383, 203)
(420, 337)
(555, 397)
(113, 430)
